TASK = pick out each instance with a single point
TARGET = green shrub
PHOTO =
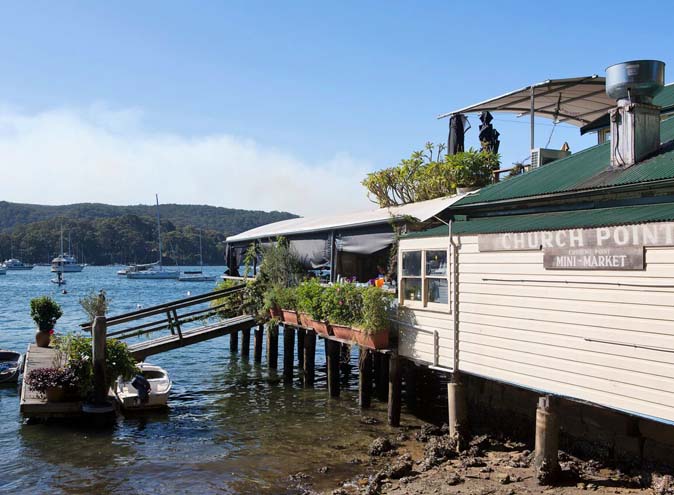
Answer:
(45, 312)
(342, 303)
(94, 304)
(310, 299)
(286, 297)
(472, 168)
(375, 310)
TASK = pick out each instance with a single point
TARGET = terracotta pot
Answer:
(276, 313)
(342, 331)
(321, 327)
(42, 338)
(305, 320)
(290, 316)
(55, 394)
(377, 340)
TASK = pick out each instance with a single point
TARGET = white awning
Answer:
(421, 211)
(577, 100)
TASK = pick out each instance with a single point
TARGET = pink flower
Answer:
(51, 332)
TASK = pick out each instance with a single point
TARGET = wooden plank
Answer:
(31, 404)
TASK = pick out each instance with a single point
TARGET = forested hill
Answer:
(105, 234)
(228, 221)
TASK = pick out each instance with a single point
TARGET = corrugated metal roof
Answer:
(598, 217)
(421, 211)
(581, 171)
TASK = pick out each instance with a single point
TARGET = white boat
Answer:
(14, 264)
(65, 263)
(157, 271)
(10, 366)
(135, 268)
(197, 275)
(148, 391)
(3, 270)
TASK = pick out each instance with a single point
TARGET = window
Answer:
(424, 278)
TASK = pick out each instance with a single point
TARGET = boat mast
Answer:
(158, 231)
(201, 257)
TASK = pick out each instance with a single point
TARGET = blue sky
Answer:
(283, 105)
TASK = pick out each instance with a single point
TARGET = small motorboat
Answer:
(10, 366)
(147, 390)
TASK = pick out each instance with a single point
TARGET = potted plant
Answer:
(472, 169)
(310, 303)
(372, 329)
(94, 304)
(45, 312)
(270, 303)
(342, 307)
(56, 384)
(287, 301)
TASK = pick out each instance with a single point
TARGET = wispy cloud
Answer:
(107, 155)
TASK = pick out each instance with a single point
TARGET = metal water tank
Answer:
(639, 80)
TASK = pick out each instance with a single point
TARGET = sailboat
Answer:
(65, 262)
(197, 275)
(157, 271)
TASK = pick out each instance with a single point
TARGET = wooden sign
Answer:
(651, 234)
(594, 258)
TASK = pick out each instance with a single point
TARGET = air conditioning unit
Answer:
(541, 156)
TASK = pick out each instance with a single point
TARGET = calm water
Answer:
(232, 426)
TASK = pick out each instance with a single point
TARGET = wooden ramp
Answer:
(31, 404)
(141, 350)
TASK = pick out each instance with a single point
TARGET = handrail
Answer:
(172, 306)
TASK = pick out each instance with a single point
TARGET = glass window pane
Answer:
(438, 291)
(412, 289)
(411, 263)
(436, 263)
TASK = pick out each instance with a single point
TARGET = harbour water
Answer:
(232, 426)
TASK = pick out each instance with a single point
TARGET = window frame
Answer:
(424, 303)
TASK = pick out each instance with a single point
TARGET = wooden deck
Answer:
(141, 350)
(31, 404)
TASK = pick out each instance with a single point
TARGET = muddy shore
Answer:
(425, 461)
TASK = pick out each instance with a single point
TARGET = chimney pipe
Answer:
(635, 121)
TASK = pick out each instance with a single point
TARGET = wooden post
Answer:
(272, 347)
(345, 363)
(364, 377)
(547, 441)
(394, 390)
(458, 411)
(332, 354)
(234, 341)
(245, 343)
(257, 351)
(99, 332)
(301, 333)
(381, 375)
(288, 353)
(411, 385)
(309, 358)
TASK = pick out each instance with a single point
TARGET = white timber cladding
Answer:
(603, 336)
(425, 327)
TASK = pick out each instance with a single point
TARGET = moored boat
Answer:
(14, 264)
(147, 390)
(10, 366)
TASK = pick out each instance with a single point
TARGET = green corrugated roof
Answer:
(665, 98)
(598, 217)
(585, 170)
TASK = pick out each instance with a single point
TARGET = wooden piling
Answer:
(364, 377)
(245, 342)
(301, 335)
(257, 344)
(234, 341)
(332, 350)
(99, 331)
(394, 390)
(309, 358)
(546, 460)
(272, 347)
(381, 370)
(410, 374)
(345, 363)
(288, 353)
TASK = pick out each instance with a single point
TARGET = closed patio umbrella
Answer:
(458, 125)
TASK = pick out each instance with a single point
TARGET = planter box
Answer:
(305, 320)
(290, 316)
(342, 332)
(321, 327)
(377, 340)
(276, 313)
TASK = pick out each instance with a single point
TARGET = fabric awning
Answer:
(577, 101)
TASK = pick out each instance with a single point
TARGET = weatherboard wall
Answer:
(601, 336)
